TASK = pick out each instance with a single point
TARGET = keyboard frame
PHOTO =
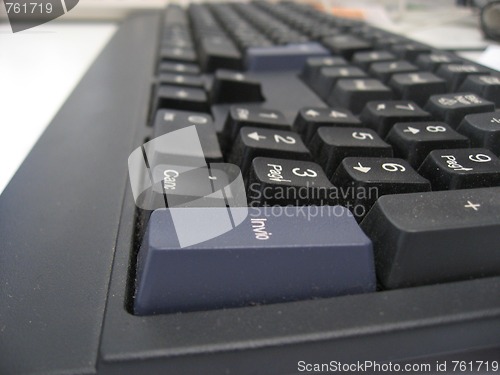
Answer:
(65, 259)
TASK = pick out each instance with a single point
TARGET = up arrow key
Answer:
(255, 136)
(362, 169)
(411, 130)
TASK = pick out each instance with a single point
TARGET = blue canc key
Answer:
(279, 58)
(276, 254)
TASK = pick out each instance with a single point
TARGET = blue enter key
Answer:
(248, 256)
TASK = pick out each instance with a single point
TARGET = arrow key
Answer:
(363, 180)
(252, 142)
(414, 140)
(308, 120)
(382, 115)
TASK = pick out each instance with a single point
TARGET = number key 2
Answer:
(363, 180)
(289, 182)
(461, 169)
(252, 142)
(414, 140)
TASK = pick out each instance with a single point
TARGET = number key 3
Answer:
(289, 182)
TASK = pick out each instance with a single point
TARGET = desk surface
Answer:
(40, 67)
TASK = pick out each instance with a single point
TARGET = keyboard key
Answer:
(314, 64)
(386, 42)
(382, 115)
(409, 51)
(218, 52)
(439, 237)
(289, 182)
(461, 169)
(183, 186)
(417, 86)
(168, 120)
(365, 59)
(178, 54)
(355, 93)
(385, 70)
(432, 61)
(485, 86)
(235, 87)
(327, 78)
(240, 116)
(185, 98)
(455, 74)
(308, 120)
(363, 180)
(184, 80)
(452, 108)
(171, 169)
(483, 130)
(331, 145)
(263, 257)
(252, 142)
(287, 57)
(346, 45)
(180, 68)
(414, 140)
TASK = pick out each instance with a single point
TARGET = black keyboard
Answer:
(302, 191)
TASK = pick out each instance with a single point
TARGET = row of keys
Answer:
(335, 81)
(322, 130)
(215, 48)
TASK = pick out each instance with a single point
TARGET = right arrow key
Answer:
(363, 180)
(414, 140)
